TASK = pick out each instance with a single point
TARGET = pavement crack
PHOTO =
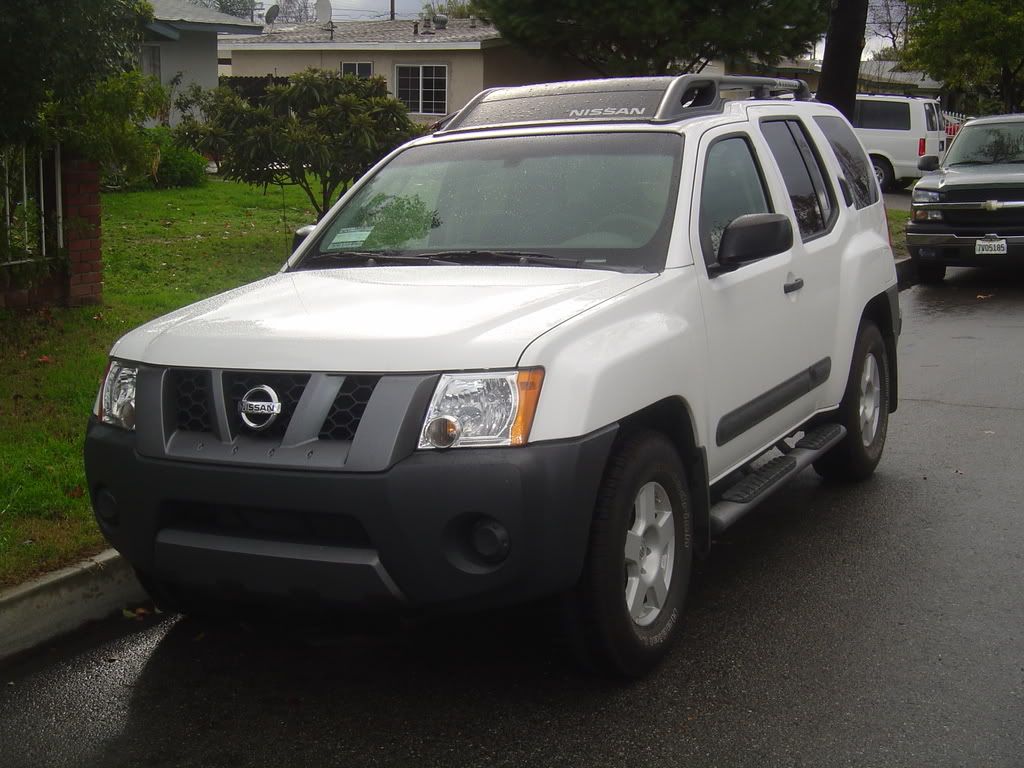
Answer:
(962, 405)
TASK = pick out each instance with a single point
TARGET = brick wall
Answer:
(81, 281)
(81, 186)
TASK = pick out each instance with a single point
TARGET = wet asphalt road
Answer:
(875, 625)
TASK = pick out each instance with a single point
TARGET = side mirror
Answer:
(928, 163)
(751, 237)
(300, 235)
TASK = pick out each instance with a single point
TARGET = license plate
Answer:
(989, 246)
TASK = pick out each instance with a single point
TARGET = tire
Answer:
(929, 274)
(883, 173)
(864, 411)
(627, 618)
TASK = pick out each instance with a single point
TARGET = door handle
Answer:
(795, 285)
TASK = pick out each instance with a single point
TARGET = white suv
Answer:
(896, 131)
(551, 350)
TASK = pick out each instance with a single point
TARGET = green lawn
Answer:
(161, 250)
(898, 232)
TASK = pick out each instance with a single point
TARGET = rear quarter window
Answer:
(851, 158)
(882, 115)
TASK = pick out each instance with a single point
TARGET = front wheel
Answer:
(864, 411)
(629, 600)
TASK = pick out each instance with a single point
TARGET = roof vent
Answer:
(472, 22)
(441, 21)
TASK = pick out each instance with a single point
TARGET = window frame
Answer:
(699, 198)
(358, 64)
(447, 80)
(819, 123)
(823, 171)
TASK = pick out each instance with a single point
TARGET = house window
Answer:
(149, 60)
(423, 88)
(363, 69)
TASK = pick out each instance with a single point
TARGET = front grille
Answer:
(348, 407)
(191, 393)
(288, 386)
(284, 525)
(999, 222)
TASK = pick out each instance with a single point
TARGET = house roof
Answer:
(365, 35)
(181, 15)
(883, 72)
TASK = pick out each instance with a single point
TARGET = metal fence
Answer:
(31, 227)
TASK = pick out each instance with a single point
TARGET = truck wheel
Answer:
(864, 411)
(629, 600)
(883, 172)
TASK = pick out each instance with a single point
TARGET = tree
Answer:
(241, 8)
(58, 50)
(659, 36)
(973, 45)
(889, 20)
(453, 9)
(840, 65)
(321, 132)
(297, 11)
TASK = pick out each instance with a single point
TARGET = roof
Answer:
(990, 119)
(889, 72)
(357, 35)
(181, 15)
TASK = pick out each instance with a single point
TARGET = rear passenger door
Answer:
(758, 357)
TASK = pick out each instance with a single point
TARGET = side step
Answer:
(758, 486)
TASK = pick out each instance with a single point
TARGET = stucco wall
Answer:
(194, 55)
(465, 68)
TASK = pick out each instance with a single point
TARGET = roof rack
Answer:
(624, 99)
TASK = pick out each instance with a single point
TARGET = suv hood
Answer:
(1005, 174)
(375, 319)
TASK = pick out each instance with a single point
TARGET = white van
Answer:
(896, 131)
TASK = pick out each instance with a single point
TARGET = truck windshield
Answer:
(601, 200)
(988, 143)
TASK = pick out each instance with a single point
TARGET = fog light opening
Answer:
(106, 507)
(490, 541)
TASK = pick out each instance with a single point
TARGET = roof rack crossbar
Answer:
(704, 92)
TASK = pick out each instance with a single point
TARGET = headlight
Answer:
(117, 396)
(925, 196)
(482, 409)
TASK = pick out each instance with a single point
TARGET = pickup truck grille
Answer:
(190, 397)
(989, 221)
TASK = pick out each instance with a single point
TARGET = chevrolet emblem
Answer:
(992, 205)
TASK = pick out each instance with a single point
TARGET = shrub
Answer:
(176, 166)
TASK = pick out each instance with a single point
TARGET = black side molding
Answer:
(750, 414)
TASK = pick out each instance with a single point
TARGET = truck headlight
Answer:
(116, 403)
(925, 196)
(482, 409)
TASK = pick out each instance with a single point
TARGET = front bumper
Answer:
(401, 536)
(956, 250)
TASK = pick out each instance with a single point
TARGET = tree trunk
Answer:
(840, 66)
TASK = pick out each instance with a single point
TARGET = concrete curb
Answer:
(906, 275)
(60, 602)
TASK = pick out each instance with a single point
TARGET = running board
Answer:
(759, 485)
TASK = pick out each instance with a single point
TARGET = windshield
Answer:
(987, 144)
(589, 200)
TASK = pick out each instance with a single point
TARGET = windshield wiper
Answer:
(367, 258)
(510, 257)
(970, 162)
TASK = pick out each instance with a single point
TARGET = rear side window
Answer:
(882, 115)
(931, 117)
(851, 158)
(802, 175)
(732, 187)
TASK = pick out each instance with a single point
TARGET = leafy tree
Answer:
(976, 46)
(57, 51)
(840, 65)
(321, 132)
(659, 36)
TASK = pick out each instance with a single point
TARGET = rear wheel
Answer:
(883, 173)
(629, 601)
(864, 411)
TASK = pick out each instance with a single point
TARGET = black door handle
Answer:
(796, 285)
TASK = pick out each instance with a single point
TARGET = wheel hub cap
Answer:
(649, 554)
(870, 400)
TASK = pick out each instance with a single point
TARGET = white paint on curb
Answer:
(59, 602)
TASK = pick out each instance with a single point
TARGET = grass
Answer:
(161, 250)
(898, 232)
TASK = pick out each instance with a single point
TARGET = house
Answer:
(433, 68)
(182, 39)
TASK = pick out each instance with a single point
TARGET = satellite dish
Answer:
(271, 15)
(324, 11)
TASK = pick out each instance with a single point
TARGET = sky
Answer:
(375, 9)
